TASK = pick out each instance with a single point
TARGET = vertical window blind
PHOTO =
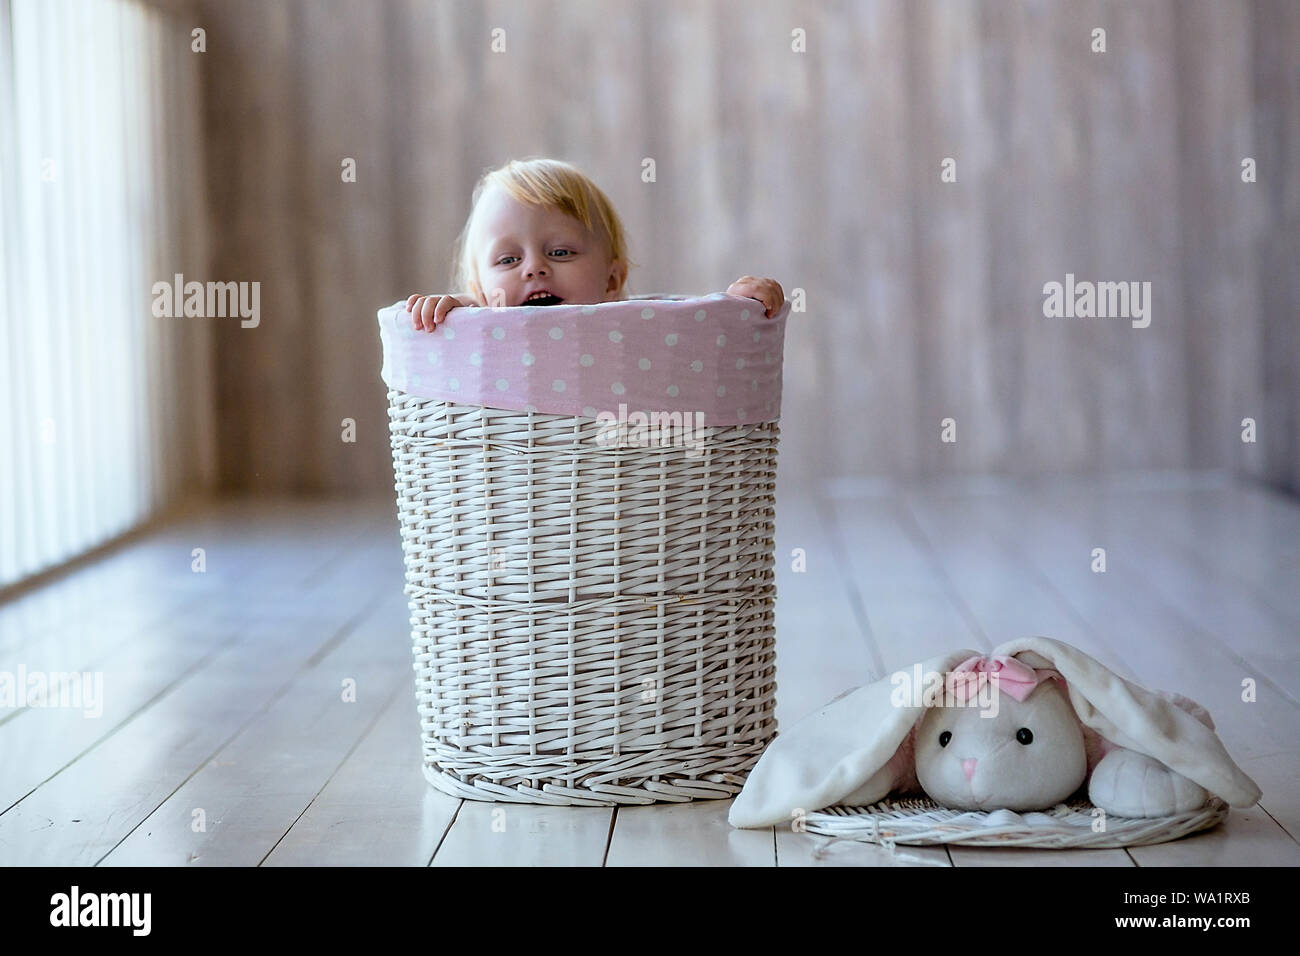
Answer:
(104, 410)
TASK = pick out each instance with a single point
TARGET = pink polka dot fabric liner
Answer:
(716, 354)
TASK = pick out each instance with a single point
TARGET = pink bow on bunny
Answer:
(1009, 675)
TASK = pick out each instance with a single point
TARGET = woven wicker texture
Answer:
(1074, 824)
(592, 624)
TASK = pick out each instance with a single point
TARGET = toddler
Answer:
(541, 233)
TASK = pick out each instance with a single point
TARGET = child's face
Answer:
(521, 249)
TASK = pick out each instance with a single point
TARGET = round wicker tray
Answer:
(1070, 825)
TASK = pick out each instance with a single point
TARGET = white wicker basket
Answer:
(592, 623)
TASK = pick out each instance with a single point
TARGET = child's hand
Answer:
(767, 291)
(428, 310)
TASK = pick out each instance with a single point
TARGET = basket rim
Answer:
(716, 358)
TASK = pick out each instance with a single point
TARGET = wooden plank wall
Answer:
(818, 168)
(1273, 250)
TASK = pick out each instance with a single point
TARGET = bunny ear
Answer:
(1139, 719)
(831, 753)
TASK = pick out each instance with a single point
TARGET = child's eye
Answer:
(502, 260)
(558, 251)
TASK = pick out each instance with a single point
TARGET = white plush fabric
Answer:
(1003, 774)
(858, 748)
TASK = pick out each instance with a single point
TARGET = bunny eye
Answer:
(944, 738)
(1025, 736)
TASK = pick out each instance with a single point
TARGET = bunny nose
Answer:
(968, 766)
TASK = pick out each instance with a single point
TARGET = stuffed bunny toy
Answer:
(1021, 729)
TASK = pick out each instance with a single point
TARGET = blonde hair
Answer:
(552, 183)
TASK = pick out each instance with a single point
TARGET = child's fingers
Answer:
(413, 305)
(427, 308)
(766, 291)
(445, 305)
(774, 296)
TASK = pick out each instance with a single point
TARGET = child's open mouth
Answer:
(544, 299)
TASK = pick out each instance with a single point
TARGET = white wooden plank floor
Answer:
(226, 738)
